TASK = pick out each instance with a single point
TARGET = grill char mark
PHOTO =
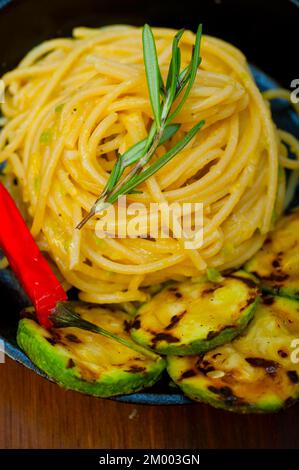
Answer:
(175, 320)
(269, 366)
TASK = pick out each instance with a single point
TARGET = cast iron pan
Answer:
(266, 31)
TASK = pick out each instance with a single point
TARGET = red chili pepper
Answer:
(27, 262)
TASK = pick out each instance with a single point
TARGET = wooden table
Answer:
(35, 413)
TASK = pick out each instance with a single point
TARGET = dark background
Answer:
(35, 413)
(266, 30)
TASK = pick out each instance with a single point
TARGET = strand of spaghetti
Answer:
(89, 152)
(193, 254)
(135, 282)
(25, 73)
(34, 133)
(45, 187)
(92, 119)
(205, 185)
(76, 239)
(244, 251)
(293, 143)
(280, 93)
(187, 159)
(58, 74)
(18, 123)
(44, 48)
(131, 269)
(268, 128)
(233, 199)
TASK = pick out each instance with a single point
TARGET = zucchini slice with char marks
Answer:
(254, 373)
(187, 318)
(277, 263)
(88, 362)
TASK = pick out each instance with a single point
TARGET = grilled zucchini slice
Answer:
(187, 318)
(88, 362)
(256, 372)
(277, 263)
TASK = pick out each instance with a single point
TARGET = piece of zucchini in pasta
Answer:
(88, 362)
(257, 372)
(186, 318)
(276, 265)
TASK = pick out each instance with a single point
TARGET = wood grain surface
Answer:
(35, 413)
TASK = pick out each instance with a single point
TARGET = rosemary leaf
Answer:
(175, 62)
(138, 179)
(162, 99)
(153, 74)
(195, 62)
(64, 316)
(136, 152)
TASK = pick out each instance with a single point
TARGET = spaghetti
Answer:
(73, 105)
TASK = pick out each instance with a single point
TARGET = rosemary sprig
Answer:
(162, 98)
(64, 316)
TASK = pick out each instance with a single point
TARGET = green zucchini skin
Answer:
(63, 354)
(188, 318)
(276, 264)
(255, 373)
